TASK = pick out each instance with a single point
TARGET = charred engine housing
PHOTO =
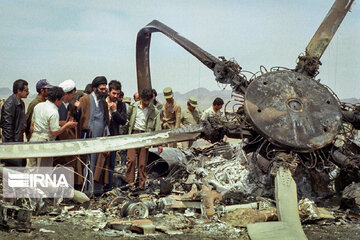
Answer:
(292, 111)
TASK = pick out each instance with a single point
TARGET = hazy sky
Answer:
(78, 39)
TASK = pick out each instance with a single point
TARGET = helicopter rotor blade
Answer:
(309, 64)
(328, 28)
(226, 72)
(143, 48)
(96, 145)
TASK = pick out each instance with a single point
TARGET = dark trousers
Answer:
(123, 155)
(136, 157)
(111, 170)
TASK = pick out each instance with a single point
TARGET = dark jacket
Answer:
(13, 119)
(118, 118)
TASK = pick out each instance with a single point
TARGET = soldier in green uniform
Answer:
(170, 113)
(190, 116)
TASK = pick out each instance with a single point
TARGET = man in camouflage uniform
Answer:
(214, 110)
(170, 112)
(190, 116)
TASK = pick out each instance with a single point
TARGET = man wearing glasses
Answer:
(93, 118)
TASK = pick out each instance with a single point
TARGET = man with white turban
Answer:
(66, 114)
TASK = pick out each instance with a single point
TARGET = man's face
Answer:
(24, 93)
(101, 90)
(191, 108)
(59, 102)
(136, 97)
(218, 107)
(169, 100)
(145, 102)
(69, 96)
(44, 92)
(154, 96)
(114, 95)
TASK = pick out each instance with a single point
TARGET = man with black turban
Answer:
(93, 118)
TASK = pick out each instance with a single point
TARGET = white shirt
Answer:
(95, 98)
(66, 104)
(140, 118)
(210, 113)
(46, 119)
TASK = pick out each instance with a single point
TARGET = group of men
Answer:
(57, 113)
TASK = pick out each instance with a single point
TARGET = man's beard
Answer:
(100, 96)
(112, 99)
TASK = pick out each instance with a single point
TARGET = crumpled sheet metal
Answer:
(14, 217)
(356, 139)
(352, 191)
(235, 174)
(165, 161)
(309, 211)
(243, 216)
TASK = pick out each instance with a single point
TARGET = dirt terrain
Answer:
(70, 231)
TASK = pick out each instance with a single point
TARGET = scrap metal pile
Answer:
(213, 188)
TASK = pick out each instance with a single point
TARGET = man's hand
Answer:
(62, 123)
(160, 149)
(112, 106)
(77, 103)
(71, 124)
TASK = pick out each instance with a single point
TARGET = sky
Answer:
(80, 40)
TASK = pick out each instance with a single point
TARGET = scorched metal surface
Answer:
(292, 110)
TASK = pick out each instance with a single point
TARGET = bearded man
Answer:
(93, 118)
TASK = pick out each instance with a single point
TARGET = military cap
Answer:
(168, 93)
(43, 83)
(126, 100)
(193, 101)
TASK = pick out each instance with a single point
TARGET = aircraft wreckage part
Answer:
(143, 49)
(96, 145)
(164, 162)
(226, 72)
(292, 111)
(14, 217)
(328, 27)
(135, 209)
(289, 225)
